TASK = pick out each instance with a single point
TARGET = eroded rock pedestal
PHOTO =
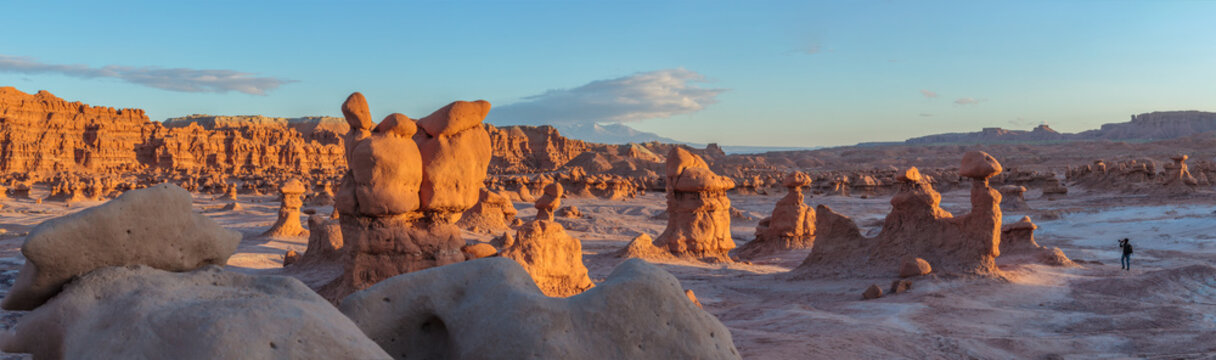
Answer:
(698, 223)
(408, 183)
(792, 225)
(917, 227)
(290, 201)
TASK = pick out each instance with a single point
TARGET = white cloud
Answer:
(641, 96)
(968, 101)
(928, 93)
(176, 79)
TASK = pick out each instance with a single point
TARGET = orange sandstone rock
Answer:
(698, 224)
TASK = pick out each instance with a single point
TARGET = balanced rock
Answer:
(288, 224)
(791, 226)
(407, 185)
(491, 306)
(456, 152)
(137, 312)
(154, 226)
(698, 224)
(551, 200)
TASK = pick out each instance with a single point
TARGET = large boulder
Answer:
(154, 226)
(137, 312)
(490, 308)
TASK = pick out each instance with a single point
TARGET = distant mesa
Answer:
(1149, 126)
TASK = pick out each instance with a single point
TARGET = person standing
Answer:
(1126, 261)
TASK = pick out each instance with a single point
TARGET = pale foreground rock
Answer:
(153, 226)
(137, 312)
(490, 309)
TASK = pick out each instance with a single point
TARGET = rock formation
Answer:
(43, 133)
(137, 312)
(1017, 241)
(570, 212)
(551, 256)
(642, 247)
(1178, 174)
(551, 200)
(914, 267)
(153, 226)
(872, 292)
(792, 225)
(324, 197)
(1012, 197)
(1053, 188)
(492, 213)
(288, 223)
(490, 307)
(916, 227)
(698, 224)
(407, 184)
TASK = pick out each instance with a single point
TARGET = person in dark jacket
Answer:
(1126, 261)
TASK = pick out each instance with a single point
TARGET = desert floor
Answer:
(1164, 308)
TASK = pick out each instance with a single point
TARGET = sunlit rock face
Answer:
(917, 227)
(698, 224)
(408, 183)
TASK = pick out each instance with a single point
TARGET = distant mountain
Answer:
(1158, 125)
(611, 134)
(993, 135)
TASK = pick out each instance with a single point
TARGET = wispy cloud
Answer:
(928, 93)
(1019, 121)
(641, 96)
(811, 48)
(172, 79)
(968, 101)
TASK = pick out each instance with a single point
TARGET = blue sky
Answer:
(734, 72)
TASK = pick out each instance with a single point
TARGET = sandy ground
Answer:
(1164, 308)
